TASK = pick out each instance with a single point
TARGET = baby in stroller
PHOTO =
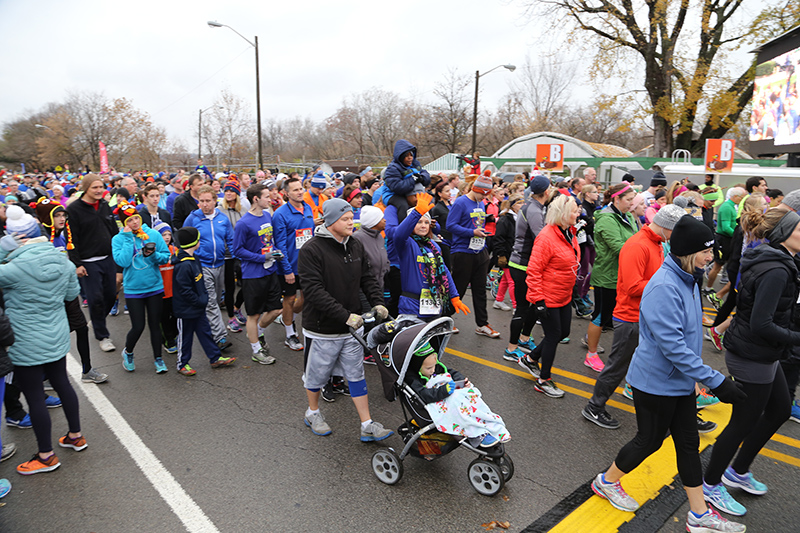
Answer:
(454, 404)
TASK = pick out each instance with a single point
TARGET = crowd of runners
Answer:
(214, 255)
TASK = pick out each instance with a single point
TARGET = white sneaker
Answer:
(501, 306)
(106, 345)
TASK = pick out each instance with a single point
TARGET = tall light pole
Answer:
(478, 75)
(214, 24)
(200, 130)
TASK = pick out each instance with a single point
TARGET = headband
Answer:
(353, 194)
(622, 190)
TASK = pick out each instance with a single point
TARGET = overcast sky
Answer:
(165, 58)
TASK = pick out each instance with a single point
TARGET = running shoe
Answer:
(375, 432)
(7, 451)
(84, 303)
(279, 320)
(528, 345)
(37, 465)
(627, 391)
(718, 496)
(223, 361)
(594, 362)
(488, 441)
(52, 402)
(93, 376)
(715, 301)
(502, 306)
(263, 357)
(710, 522)
(369, 359)
(5, 487)
(106, 345)
(795, 417)
(513, 355)
(707, 323)
(530, 365)
(340, 386)
(317, 424)
(588, 301)
(224, 344)
(599, 417)
(77, 444)
(115, 309)
(704, 399)
(294, 344)
(487, 331)
(585, 344)
(126, 309)
(614, 493)
(747, 482)
(234, 326)
(24, 423)
(127, 361)
(705, 426)
(565, 340)
(161, 367)
(548, 387)
(240, 318)
(186, 370)
(172, 349)
(327, 393)
(716, 338)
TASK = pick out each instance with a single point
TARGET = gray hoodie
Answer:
(375, 248)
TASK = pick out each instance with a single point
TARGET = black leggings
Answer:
(727, 307)
(752, 424)
(136, 308)
(654, 416)
(524, 316)
(169, 324)
(29, 380)
(233, 272)
(555, 327)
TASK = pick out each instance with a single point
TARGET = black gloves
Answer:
(730, 391)
(541, 310)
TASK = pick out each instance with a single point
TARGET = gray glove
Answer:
(381, 312)
(9, 243)
(355, 321)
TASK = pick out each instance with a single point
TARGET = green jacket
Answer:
(610, 233)
(36, 280)
(726, 218)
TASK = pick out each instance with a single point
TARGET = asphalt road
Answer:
(227, 451)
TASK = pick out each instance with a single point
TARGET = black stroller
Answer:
(488, 473)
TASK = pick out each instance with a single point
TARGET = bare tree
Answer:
(542, 90)
(449, 118)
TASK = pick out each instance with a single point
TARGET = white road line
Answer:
(193, 518)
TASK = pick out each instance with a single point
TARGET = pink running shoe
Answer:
(594, 362)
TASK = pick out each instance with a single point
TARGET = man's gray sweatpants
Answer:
(214, 279)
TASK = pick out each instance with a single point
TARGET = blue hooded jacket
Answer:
(668, 360)
(400, 179)
(215, 235)
(140, 274)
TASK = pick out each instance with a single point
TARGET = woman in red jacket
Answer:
(552, 271)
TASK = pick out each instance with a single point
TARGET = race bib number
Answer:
(477, 243)
(426, 304)
(302, 236)
(581, 237)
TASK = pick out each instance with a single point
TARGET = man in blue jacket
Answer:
(292, 226)
(216, 233)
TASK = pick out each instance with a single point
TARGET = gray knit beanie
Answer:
(668, 216)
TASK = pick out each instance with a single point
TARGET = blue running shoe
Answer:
(718, 496)
(747, 482)
(489, 441)
(115, 310)
(527, 345)
(127, 361)
(234, 326)
(172, 349)
(513, 356)
(25, 423)
(5, 487)
(161, 367)
(795, 411)
(628, 392)
(52, 402)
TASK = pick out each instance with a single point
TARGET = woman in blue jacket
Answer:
(139, 250)
(663, 372)
(428, 287)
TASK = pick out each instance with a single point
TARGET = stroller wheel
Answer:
(506, 466)
(485, 477)
(387, 466)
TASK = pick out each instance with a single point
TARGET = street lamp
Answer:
(478, 75)
(200, 130)
(214, 24)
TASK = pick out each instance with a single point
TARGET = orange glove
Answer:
(424, 203)
(459, 305)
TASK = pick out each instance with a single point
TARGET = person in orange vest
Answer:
(314, 197)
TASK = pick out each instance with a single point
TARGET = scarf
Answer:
(434, 271)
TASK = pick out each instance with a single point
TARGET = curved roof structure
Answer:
(525, 146)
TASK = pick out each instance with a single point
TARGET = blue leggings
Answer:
(29, 380)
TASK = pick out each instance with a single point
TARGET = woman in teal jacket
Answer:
(36, 280)
(139, 250)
